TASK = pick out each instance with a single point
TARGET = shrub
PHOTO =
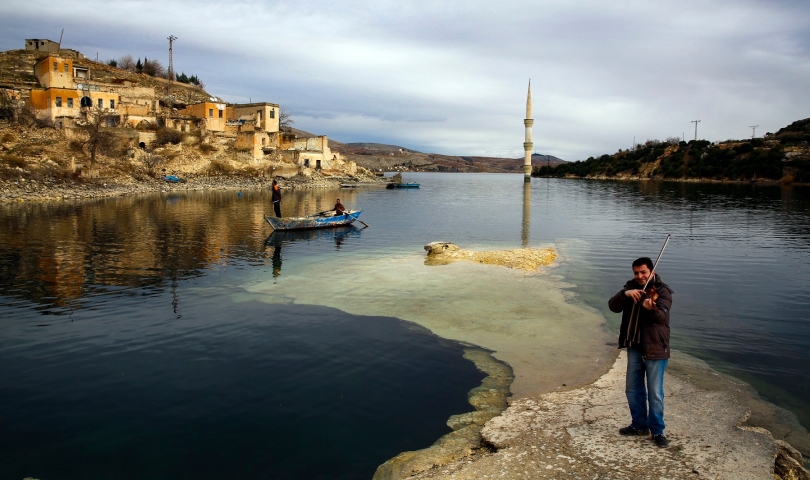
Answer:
(8, 137)
(207, 148)
(12, 160)
(218, 167)
(168, 135)
(151, 161)
(76, 146)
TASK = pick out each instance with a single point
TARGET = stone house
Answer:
(66, 89)
(211, 112)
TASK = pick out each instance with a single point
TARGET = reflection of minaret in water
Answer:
(527, 213)
(527, 144)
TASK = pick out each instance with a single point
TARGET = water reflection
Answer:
(527, 214)
(57, 253)
(277, 239)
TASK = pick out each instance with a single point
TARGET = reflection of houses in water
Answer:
(144, 242)
(128, 242)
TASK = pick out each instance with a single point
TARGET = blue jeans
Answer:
(639, 396)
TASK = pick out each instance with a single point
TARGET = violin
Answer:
(652, 293)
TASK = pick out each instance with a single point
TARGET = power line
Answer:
(695, 122)
(753, 130)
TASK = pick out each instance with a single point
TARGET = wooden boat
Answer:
(326, 219)
(402, 185)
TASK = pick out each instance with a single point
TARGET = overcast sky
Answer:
(451, 77)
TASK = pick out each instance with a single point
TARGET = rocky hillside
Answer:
(377, 157)
(783, 156)
(17, 70)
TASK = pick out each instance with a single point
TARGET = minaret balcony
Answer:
(527, 146)
(528, 122)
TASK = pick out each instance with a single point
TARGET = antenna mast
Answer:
(753, 130)
(171, 38)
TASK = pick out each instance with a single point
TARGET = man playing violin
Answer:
(645, 333)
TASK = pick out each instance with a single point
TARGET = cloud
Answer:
(450, 77)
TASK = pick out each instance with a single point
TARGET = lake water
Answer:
(170, 335)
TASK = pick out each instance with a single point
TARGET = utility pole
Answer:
(171, 38)
(695, 122)
(753, 130)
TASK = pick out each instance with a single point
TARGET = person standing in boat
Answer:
(276, 199)
(647, 358)
(339, 208)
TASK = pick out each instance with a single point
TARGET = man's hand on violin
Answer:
(648, 304)
(634, 294)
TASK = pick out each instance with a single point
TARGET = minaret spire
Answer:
(529, 101)
(527, 144)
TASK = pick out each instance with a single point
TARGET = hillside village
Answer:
(67, 118)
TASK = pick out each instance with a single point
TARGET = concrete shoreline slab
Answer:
(574, 434)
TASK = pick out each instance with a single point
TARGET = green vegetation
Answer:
(784, 155)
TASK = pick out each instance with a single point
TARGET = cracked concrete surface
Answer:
(574, 434)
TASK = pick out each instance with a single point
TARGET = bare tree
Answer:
(127, 63)
(151, 161)
(285, 119)
(98, 137)
(154, 68)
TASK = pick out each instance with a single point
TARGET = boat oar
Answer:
(364, 223)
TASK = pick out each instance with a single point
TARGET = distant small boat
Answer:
(326, 219)
(402, 185)
(360, 184)
(174, 179)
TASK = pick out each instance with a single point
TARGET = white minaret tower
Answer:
(527, 145)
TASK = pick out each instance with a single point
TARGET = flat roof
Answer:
(258, 104)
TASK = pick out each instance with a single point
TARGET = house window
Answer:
(100, 103)
(259, 114)
(66, 67)
(220, 114)
(70, 103)
(55, 67)
(112, 104)
(210, 113)
(272, 113)
(58, 101)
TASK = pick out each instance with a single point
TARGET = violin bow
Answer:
(633, 325)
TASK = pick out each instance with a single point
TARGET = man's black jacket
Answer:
(654, 325)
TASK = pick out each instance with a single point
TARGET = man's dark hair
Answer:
(643, 261)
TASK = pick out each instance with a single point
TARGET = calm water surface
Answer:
(128, 347)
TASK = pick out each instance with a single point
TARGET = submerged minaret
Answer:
(527, 145)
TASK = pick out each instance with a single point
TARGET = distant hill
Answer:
(378, 147)
(539, 160)
(378, 156)
(784, 156)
